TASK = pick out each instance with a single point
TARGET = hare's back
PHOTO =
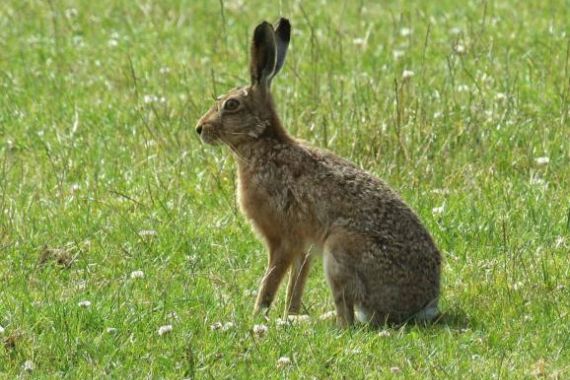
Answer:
(363, 201)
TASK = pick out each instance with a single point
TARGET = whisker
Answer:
(237, 133)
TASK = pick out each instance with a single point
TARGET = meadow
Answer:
(122, 250)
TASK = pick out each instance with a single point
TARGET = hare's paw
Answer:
(261, 309)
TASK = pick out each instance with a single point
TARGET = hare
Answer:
(380, 262)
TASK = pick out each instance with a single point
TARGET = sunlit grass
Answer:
(122, 251)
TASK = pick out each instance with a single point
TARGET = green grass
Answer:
(90, 156)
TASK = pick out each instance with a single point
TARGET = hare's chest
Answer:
(258, 194)
(266, 202)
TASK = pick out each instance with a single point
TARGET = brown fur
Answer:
(378, 257)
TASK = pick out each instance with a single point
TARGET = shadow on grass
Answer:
(455, 319)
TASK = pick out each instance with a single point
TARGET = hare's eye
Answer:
(231, 104)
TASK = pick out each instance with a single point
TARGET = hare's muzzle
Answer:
(207, 133)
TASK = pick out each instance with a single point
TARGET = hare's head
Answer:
(247, 113)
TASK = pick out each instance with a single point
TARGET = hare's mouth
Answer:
(209, 137)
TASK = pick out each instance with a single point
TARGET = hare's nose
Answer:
(199, 129)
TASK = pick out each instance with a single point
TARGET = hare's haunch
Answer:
(381, 263)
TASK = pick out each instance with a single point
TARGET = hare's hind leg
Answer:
(341, 283)
(344, 307)
(297, 279)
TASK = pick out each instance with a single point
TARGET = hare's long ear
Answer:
(263, 54)
(282, 38)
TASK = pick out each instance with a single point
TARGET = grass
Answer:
(98, 103)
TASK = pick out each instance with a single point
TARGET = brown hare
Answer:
(381, 263)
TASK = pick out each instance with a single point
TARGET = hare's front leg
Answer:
(297, 279)
(280, 257)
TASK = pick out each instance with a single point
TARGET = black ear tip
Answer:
(284, 29)
(285, 22)
(263, 25)
(261, 32)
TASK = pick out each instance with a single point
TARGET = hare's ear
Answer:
(263, 53)
(282, 38)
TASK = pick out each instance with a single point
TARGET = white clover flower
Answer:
(81, 284)
(397, 54)
(406, 74)
(455, 30)
(293, 319)
(281, 322)
(542, 160)
(299, 318)
(153, 99)
(500, 96)
(328, 315)
(71, 13)
(283, 362)
(112, 43)
(164, 329)
(384, 333)
(147, 233)
(149, 98)
(222, 327)
(84, 304)
(164, 70)
(234, 5)
(216, 326)
(459, 48)
(137, 274)
(260, 330)
(77, 41)
(438, 210)
(28, 366)
(537, 181)
(228, 326)
(462, 88)
(405, 32)
(2, 329)
(359, 41)
(539, 369)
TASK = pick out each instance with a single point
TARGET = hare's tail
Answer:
(428, 313)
